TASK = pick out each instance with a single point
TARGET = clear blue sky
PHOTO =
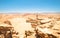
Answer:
(29, 5)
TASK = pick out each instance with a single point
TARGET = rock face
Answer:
(46, 26)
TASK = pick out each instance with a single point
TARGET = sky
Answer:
(29, 6)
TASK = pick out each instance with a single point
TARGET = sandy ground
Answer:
(20, 21)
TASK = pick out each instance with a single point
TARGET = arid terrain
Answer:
(31, 25)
